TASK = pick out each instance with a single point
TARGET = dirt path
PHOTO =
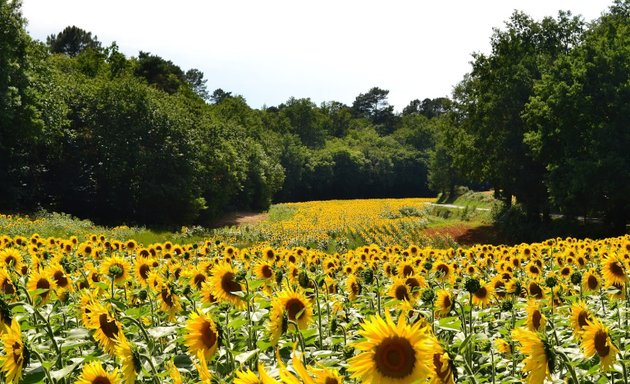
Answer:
(238, 218)
(465, 234)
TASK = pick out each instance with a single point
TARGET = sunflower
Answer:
(173, 372)
(353, 286)
(534, 289)
(590, 281)
(11, 258)
(444, 271)
(169, 302)
(223, 284)
(116, 268)
(596, 339)
(444, 302)
(93, 373)
(538, 362)
(325, 375)
(41, 285)
(265, 378)
(202, 367)
(289, 305)
(264, 270)
(62, 279)
(580, 317)
(202, 335)
(246, 377)
(399, 290)
(503, 347)
(130, 359)
(142, 268)
(16, 355)
(108, 329)
(614, 271)
(443, 367)
(483, 295)
(392, 353)
(6, 284)
(535, 319)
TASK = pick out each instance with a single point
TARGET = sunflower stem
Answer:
(41, 360)
(150, 342)
(300, 340)
(155, 372)
(249, 317)
(378, 294)
(568, 366)
(112, 288)
(51, 335)
(319, 314)
(470, 371)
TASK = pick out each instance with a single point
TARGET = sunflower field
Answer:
(103, 311)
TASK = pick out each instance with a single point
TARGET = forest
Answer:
(541, 119)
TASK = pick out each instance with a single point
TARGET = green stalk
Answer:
(319, 314)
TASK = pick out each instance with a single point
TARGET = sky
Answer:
(269, 51)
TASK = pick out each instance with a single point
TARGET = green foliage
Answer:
(72, 41)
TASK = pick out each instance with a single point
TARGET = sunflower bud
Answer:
(472, 285)
(142, 295)
(240, 275)
(551, 282)
(576, 278)
(115, 271)
(279, 276)
(303, 279)
(368, 276)
(506, 306)
(428, 266)
(428, 295)
(5, 313)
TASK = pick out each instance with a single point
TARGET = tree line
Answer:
(86, 130)
(541, 119)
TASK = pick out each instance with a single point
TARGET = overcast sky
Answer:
(268, 51)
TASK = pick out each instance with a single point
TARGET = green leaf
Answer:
(34, 376)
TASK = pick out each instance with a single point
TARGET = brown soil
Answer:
(465, 234)
(238, 218)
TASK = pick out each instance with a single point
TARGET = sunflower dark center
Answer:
(95, 277)
(88, 250)
(294, 306)
(401, 292)
(60, 279)
(535, 290)
(208, 335)
(7, 287)
(443, 269)
(412, 282)
(356, 288)
(499, 288)
(266, 271)
(17, 352)
(167, 297)
(10, 260)
(481, 293)
(582, 319)
(601, 345)
(533, 269)
(109, 328)
(228, 284)
(565, 271)
(144, 271)
(395, 357)
(617, 269)
(536, 318)
(199, 279)
(441, 371)
(331, 380)
(592, 282)
(446, 302)
(407, 270)
(101, 380)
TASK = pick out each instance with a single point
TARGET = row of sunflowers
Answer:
(104, 311)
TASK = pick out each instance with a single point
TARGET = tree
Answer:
(580, 111)
(428, 107)
(491, 102)
(374, 106)
(197, 83)
(162, 74)
(72, 41)
(219, 95)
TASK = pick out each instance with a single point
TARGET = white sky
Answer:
(268, 51)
